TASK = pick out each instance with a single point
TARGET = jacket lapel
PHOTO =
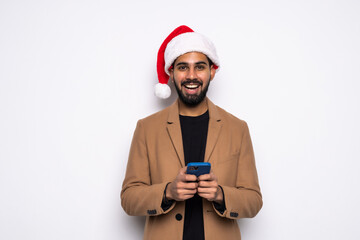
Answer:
(174, 130)
(213, 131)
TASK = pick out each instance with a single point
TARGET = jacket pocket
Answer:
(229, 158)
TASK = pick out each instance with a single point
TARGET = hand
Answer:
(183, 187)
(209, 188)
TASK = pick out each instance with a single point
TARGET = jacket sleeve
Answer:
(243, 200)
(139, 197)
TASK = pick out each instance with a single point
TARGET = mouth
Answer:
(192, 87)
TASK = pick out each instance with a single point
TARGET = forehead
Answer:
(192, 57)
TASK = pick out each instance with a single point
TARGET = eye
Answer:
(200, 67)
(182, 68)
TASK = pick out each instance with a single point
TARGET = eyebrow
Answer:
(185, 63)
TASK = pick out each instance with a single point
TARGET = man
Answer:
(179, 205)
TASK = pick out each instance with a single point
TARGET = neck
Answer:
(193, 111)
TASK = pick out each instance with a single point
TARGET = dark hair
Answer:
(210, 62)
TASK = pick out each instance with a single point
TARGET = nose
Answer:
(191, 74)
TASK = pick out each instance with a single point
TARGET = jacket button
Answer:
(234, 214)
(178, 217)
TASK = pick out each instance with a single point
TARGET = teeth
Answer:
(191, 86)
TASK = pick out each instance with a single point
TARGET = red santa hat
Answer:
(180, 41)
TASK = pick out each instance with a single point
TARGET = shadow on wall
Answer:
(163, 103)
(134, 227)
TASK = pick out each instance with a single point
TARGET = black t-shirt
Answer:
(194, 134)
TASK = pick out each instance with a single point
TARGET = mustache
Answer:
(192, 82)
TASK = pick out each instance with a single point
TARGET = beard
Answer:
(192, 100)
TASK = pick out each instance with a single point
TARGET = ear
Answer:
(171, 71)
(212, 72)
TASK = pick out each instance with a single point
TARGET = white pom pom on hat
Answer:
(162, 90)
(180, 41)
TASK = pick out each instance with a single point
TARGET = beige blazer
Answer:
(157, 154)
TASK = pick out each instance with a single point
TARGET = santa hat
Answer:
(180, 41)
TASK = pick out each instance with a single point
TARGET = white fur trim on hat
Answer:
(162, 90)
(189, 42)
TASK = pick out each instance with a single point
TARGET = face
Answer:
(191, 75)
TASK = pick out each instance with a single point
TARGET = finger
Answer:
(205, 190)
(186, 185)
(182, 170)
(213, 176)
(181, 174)
(208, 197)
(180, 194)
(190, 178)
(210, 176)
(207, 184)
(204, 177)
(186, 197)
(187, 191)
(190, 185)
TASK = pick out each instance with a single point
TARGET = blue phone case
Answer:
(198, 168)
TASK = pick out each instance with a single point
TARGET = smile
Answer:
(191, 86)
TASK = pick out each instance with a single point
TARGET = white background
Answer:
(76, 75)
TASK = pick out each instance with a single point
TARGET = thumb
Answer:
(183, 170)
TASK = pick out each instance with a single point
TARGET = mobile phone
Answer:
(198, 168)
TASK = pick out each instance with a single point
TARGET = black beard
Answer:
(192, 100)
